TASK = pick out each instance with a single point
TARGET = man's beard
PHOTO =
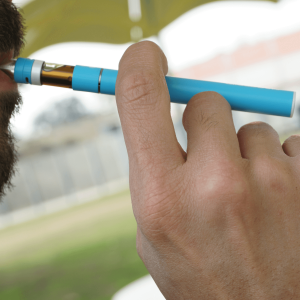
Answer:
(10, 103)
(11, 37)
(11, 28)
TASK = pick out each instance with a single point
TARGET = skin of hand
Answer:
(221, 221)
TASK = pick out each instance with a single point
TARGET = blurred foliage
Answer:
(90, 255)
(59, 21)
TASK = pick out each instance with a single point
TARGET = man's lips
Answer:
(5, 58)
(6, 78)
(6, 81)
(8, 73)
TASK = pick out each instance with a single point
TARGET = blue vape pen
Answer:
(97, 80)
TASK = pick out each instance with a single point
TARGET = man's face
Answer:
(11, 42)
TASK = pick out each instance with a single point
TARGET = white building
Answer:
(273, 64)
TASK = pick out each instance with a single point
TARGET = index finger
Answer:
(143, 102)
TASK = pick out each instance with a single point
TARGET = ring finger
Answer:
(259, 138)
(291, 146)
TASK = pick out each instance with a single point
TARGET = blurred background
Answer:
(67, 228)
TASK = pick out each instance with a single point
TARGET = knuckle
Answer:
(226, 188)
(138, 85)
(209, 99)
(270, 173)
(203, 109)
(293, 138)
(140, 88)
(197, 116)
(260, 129)
(227, 181)
(253, 126)
(262, 164)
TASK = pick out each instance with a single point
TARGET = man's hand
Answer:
(221, 221)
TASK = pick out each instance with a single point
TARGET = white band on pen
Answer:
(36, 72)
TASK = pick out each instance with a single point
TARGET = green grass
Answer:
(95, 272)
(74, 267)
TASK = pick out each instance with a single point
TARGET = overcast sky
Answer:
(196, 36)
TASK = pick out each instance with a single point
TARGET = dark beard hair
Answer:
(10, 103)
(11, 28)
(11, 37)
